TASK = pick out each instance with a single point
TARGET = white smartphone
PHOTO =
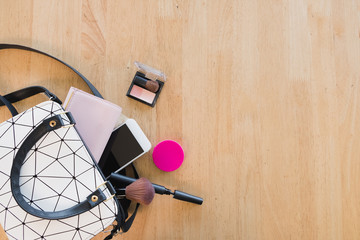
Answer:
(127, 143)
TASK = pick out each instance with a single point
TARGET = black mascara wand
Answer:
(116, 178)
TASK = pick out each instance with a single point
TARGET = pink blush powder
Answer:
(142, 94)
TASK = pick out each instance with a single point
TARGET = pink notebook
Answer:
(95, 119)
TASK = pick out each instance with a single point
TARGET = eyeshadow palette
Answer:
(146, 85)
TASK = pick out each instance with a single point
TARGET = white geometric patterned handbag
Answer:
(50, 187)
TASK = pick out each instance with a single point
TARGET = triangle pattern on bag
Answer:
(68, 163)
(87, 218)
(84, 234)
(57, 173)
(7, 139)
(6, 164)
(16, 210)
(24, 119)
(57, 184)
(82, 177)
(4, 199)
(49, 148)
(64, 203)
(72, 136)
(55, 169)
(83, 169)
(5, 187)
(31, 233)
(4, 127)
(39, 224)
(57, 227)
(15, 232)
(47, 204)
(83, 155)
(4, 152)
(82, 189)
(27, 188)
(71, 192)
(40, 115)
(72, 146)
(29, 166)
(71, 222)
(42, 190)
(21, 133)
(25, 179)
(12, 221)
(65, 150)
(42, 162)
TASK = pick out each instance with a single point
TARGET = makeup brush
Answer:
(140, 191)
(152, 86)
(116, 178)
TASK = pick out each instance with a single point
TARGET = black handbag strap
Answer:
(11, 108)
(48, 125)
(24, 93)
(30, 91)
(20, 47)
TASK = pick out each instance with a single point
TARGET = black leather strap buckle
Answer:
(106, 184)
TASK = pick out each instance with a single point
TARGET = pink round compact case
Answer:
(168, 155)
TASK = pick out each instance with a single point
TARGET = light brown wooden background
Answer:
(263, 95)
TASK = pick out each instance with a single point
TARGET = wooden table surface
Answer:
(263, 95)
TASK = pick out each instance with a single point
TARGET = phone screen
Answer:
(125, 147)
(120, 150)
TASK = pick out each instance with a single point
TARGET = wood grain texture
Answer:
(263, 95)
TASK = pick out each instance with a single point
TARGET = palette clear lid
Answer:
(150, 73)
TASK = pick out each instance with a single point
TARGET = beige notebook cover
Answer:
(95, 119)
